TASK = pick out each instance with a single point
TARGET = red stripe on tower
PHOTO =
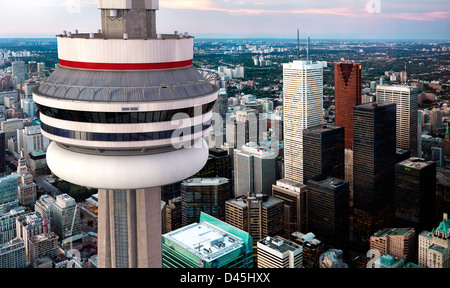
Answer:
(125, 66)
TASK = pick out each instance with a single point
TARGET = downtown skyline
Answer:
(342, 19)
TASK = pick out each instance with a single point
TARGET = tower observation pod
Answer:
(126, 112)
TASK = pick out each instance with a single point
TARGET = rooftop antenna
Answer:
(307, 49)
(405, 77)
(298, 44)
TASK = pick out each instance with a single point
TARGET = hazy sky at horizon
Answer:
(325, 19)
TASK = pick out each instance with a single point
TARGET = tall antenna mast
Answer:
(307, 49)
(298, 44)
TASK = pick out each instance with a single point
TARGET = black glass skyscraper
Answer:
(328, 209)
(415, 193)
(324, 152)
(374, 156)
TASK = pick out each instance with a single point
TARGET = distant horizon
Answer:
(266, 37)
(223, 19)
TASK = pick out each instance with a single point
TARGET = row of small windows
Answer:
(121, 117)
(119, 137)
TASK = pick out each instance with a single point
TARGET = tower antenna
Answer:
(298, 44)
(308, 48)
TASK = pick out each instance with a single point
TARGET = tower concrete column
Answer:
(130, 228)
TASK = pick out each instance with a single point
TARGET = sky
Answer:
(322, 19)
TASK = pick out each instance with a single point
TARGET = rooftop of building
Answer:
(31, 219)
(388, 260)
(373, 106)
(254, 149)
(437, 248)
(320, 129)
(266, 200)
(394, 232)
(412, 265)
(308, 240)
(205, 181)
(415, 163)
(279, 244)
(328, 182)
(332, 258)
(426, 234)
(42, 237)
(290, 185)
(444, 226)
(205, 241)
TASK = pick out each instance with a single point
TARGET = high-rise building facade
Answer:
(399, 242)
(259, 215)
(206, 195)
(254, 170)
(312, 248)
(9, 197)
(27, 226)
(415, 193)
(328, 210)
(44, 205)
(277, 252)
(2, 153)
(220, 164)
(26, 187)
(324, 152)
(293, 194)
(13, 255)
(434, 246)
(66, 217)
(19, 73)
(347, 86)
(406, 98)
(8, 224)
(43, 245)
(374, 153)
(173, 214)
(211, 243)
(126, 110)
(302, 108)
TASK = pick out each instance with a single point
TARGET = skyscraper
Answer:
(9, 197)
(406, 98)
(374, 154)
(206, 195)
(13, 255)
(293, 195)
(303, 108)
(136, 125)
(19, 73)
(26, 187)
(434, 246)
(260, 215)
(66, 217)
(254, 170)
(347, 85)
(328, 210)
(27, 226)
(324, 152)
(415, 193)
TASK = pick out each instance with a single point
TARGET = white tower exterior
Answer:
(303, 108)
(111, 108)
(406, 98)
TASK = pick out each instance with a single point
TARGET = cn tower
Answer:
(110, 110)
